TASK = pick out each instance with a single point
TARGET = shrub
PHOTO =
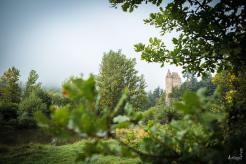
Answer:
(160, 114)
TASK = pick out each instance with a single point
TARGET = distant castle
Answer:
(172, 80)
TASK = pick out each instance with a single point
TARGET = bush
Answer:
(160, 114)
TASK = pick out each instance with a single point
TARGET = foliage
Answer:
(8, 112)
(10, 94)
(211, 34)
(207, 83)
(211, 37)
(83, 93)
(218, 47)
(82, 117)
(154, 96)
(10, 91)
(17, 109)
(194, 137)
(131, 136)
(188, 139)
(160, 114)
(227, 81)
(131, 5)
(34, 99)
(234, 95)
(57, 99)
(192, 84)
(31, 83)
(28, 106)
(33, 87)
(116, 73)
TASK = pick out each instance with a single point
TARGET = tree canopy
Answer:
(31, 83)
(117, 72)
(211, 34)
(11, 91)
(154, 97)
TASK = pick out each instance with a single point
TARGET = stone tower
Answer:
(172, 80)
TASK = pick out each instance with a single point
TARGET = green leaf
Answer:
(42, 120)
(175, 41)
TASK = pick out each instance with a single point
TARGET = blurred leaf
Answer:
(42, 120)
(124, 124)
(120, 118)
(61, 117)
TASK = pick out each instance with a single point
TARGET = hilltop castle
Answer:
(172, 80)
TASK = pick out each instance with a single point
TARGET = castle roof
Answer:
(168, 73)
(172, 75)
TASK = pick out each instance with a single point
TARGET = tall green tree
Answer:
(34, 99)
(10, 94)
(33, 86)
(28, 106)
(31, 83)
(11, 91)
(117, 72)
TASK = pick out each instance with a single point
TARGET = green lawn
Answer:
(50, 154)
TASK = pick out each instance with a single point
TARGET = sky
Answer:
(61, 38)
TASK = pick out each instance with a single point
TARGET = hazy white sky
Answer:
(60, 38)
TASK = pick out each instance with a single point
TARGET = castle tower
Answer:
(169, 82)
(172, 80)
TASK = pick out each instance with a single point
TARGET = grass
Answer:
(51, 154)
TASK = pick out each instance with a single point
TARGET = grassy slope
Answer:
(49, 154)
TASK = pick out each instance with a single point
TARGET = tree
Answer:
(31, 83)
(11, 91)
(33, 87)
(117, 73)
(157, 93)
(35, 99)
(154, 96)
(211, 34)
(206, 82)
(10, 95)
(234, 98)
(28, 106)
